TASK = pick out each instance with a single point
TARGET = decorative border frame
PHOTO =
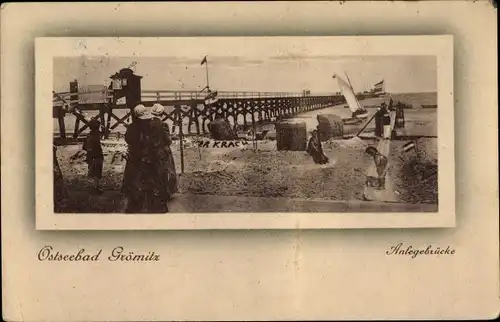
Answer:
(48, 48)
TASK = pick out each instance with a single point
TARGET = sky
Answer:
(402, 74)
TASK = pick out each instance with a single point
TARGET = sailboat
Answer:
(359, 113)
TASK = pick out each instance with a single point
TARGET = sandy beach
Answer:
(245, 172)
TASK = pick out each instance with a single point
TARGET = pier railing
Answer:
(181, 95)
(105, 96)
(67, 99)
(186, 111)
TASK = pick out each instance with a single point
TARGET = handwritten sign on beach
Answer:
(213, 144)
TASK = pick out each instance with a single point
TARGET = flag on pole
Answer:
(409, 146)
(428, 174)
(212, 94)
(204, 60)
(132, 65)
(379, 87)
(211, 98)
(121, 101)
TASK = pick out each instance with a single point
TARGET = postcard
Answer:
(245, 132)
(249, 161)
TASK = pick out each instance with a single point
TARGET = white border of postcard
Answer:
(47, 48)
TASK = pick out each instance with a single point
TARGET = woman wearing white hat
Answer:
(146, 174)
(158, 110)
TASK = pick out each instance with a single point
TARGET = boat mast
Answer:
(206, 68)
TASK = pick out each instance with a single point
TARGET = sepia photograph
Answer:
(267, 132)
(249, 161)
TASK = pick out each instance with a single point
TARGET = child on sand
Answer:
(95, 157)
(315, 149)
(379, 159)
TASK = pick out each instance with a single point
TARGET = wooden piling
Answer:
(62, 125)
(108, 122)
(253, 127)
(181, 135)
(77, 128)
(73, 88)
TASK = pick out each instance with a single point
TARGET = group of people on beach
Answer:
(150, 178)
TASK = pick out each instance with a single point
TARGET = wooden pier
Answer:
(182, 107)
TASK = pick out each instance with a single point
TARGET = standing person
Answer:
(386, 120)
(95, 157)
(315, 149)
(380, 119)
(383, 108)
(391, 104)
(145, 182)
(60, 191)
(157, 110)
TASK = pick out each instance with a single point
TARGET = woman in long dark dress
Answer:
(95, 157)
(145, 182)
(60, 191)
(157, 110)
(315, 149)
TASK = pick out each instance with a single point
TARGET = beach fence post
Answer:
(109, 110)
(73, 88)
(181, 135)
(253, 127)
(60, 112)
(62, 124)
